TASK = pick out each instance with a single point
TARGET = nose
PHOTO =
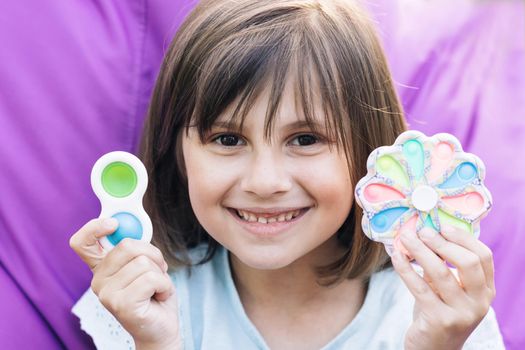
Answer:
(266, 174)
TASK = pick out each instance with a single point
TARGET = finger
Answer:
(150, 284)
(85, 242)
(471, 275)
(138, 293)
(127, 250)
(422, 292)
(468, 241)
(123, 277)
(443, 281)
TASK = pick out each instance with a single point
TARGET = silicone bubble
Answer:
(119, 180)
(421, 181)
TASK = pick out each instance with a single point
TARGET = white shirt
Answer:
(212, 317)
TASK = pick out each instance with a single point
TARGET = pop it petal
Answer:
(390, 168)
(467, 203)
(382, 221)
(421, 181)
(442, 155)
(375, 193)
(464, 174)
(448, 219)
(414, 153)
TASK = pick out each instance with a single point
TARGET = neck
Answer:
(294, 285)
(286, 305)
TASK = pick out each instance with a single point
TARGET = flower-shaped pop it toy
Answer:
(421, 181)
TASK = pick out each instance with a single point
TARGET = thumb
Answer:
(85, 242)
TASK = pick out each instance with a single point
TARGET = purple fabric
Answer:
(75, 79)
(460, 68)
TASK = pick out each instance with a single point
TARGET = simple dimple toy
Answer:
(421, 181)
(119, 179)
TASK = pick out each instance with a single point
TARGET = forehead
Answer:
(281, 77)
(288, 109)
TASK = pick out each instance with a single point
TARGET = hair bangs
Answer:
(235, 73)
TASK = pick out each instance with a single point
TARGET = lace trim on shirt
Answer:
(101, 325)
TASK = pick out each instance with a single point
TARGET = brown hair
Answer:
(224, 53)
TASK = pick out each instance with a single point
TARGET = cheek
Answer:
(199, 189)
(209, 183)
(201, 186)
(329, 184)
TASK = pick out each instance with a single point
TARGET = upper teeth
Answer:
(252, 217)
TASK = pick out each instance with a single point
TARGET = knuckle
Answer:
(98, 224)
(74, 242)
(143, 262)
(157, 252)
(421, 288)
(455, 324)
(150, 277)
(442, 273)
(448, 323)
(439, 244)
(471, 261)
(94, 225)
(486, 255)
(139, 317)
(464, 321)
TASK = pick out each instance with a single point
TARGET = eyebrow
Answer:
(298, 124)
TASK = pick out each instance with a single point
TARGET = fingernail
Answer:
(427, 233)
(110, 223)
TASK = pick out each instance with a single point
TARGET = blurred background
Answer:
(75, 80)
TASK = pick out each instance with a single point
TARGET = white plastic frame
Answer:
(132, 203)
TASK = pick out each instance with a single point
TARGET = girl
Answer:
(260, 124)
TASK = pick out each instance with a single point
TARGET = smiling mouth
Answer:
(268, 218)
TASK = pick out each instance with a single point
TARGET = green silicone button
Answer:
(119, 179)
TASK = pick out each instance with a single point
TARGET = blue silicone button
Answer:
(382, 221)
(463, 174)
(129, 227)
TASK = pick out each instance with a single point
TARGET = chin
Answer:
(260, 259)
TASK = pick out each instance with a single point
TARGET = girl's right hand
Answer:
(132, 282)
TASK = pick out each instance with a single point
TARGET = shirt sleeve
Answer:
(101, 325)
(486, 335)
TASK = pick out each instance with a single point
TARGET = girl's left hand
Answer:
(447, 308)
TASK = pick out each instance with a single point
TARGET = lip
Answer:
(268, 229)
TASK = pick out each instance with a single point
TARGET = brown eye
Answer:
(305, 140)
(228, 140)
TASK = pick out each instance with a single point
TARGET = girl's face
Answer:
(269, 202)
